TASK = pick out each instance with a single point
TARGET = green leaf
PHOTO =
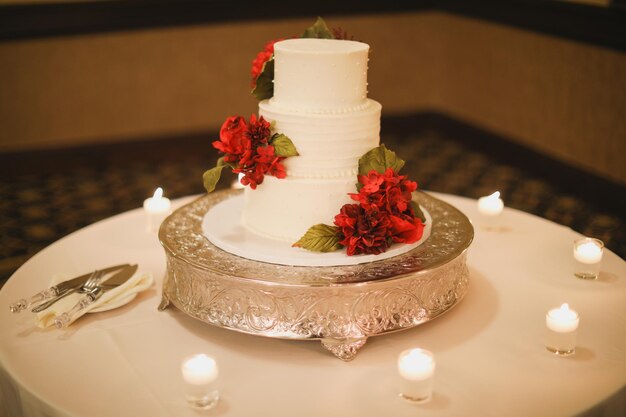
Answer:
(318, 30)
(418, 211)
(212, 176)
(379, 159)
(320, 238)
(264, 87)
(283, 146)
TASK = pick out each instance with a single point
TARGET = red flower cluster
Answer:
(383, 216)
(260, 60)
(246, 146)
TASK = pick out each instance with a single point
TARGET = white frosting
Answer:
(320, 75)
(320, 103)
(329, 146)
(284, 209)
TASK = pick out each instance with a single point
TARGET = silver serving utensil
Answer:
(91, 282)
(58, 291)
(63, 320)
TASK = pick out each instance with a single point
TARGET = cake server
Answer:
(95, 293)
(56, 292)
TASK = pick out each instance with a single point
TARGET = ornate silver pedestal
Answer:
(341, 306)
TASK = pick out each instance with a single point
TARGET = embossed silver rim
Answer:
(182, 237)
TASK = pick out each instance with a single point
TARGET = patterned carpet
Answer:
(45, 196)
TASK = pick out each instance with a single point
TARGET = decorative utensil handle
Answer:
(23, 304)
(60, 294)
(68, 317)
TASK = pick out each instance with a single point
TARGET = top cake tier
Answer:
(320, 75)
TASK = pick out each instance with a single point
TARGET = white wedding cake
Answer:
(320, 102)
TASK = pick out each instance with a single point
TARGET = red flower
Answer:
(251, 177)
(246, 145)
(257, 134)
(388, 191)
(363, 230)
(233, 141)
(258, 131)
(371, 182)
(406, 229)
(383, 216)
(263, 162)
(260, 60)
(269, 162)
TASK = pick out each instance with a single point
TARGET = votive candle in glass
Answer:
(157, 208)
(588, 257)
(562, 327)
(490, 207)
(200, 381)
(236, 184)
(416, 368)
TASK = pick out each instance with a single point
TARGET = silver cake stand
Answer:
(341, 306)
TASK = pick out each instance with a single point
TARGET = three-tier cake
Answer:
(320, 102)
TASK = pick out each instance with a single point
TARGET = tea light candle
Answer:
(491, 205)
(157, 208)
(200, 376)
(588, 255)
(199, 370)
(562, 319)
(416, 368)
(588, 251)
(237, 185)
(562, 325)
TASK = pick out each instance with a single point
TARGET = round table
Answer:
(491, 360)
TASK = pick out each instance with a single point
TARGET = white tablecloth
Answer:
(490, 357)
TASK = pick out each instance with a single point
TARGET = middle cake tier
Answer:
(320, 178)
(329, 145)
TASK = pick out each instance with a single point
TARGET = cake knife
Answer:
(56, 292)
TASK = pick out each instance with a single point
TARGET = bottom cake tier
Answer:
(341, 306)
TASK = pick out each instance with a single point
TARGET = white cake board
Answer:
(222, 226)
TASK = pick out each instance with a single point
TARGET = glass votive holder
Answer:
(490, 209)
(200, 374)
(561, 329)
(416, 369)
(156, 209)
(236, 184)
(588, 257)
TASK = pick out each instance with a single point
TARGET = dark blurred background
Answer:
(100, 102)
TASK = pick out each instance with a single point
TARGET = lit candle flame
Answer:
(490, 205)
(158, 193)
(416, 364)
(199, 370)
(237, 183)
(563, 316)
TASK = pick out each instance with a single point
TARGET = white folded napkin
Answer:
(112, 298)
